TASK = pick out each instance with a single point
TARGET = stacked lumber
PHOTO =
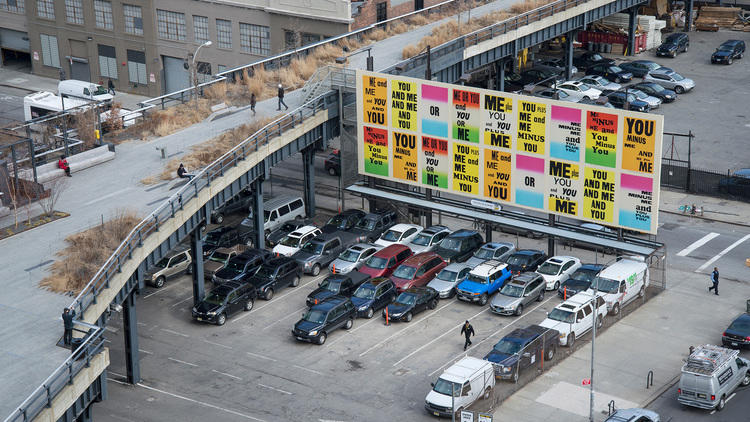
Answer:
(648, 24)
(711, 18)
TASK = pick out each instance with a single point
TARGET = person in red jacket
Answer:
(63, 164)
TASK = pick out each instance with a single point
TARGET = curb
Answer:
(706, 218)
(658, 392)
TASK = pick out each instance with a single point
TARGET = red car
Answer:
(383, 262)
(417, 271)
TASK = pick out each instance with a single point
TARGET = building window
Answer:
(74, 11)
(255, 39)
(290, 39)
(200, 28)
(103, 14)
(171, 25)
(15, 6)
(137, 67)
(203, 72)
(381, 11)
(221, 68)
(133, 19)
(107, 62)
(224, 33)
(50, 55)
(308, 39)
(45, 9)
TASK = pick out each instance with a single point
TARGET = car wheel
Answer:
(408, 317)
(729, 61)
(541, 296)
(515, 377)
(370, 313)
(349, 324)
(519, 310)
(221, 319)
(618, 79)
(331, 171)
(249, 304)
(487, 392)
(641, 291)
(599, 321)
(483, 299)
(616, 309)
(250, 243)
(721, 403)
(556, 286)
(269, 294)
(295, 281)
(550, 353)
(315, 270)
(322, 338)
(586, 98)
(433, 304)
(678, 89)
(218, 218)
(571, 340)
(189, 269)
(159, 282)
(741, 55)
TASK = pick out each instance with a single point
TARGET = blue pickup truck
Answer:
(483, 281)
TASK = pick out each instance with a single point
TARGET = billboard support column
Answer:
(551, 239)
(371, 200)
(569, 38)
(308, 159)
(428, 192)
(632, 26)
(500, 75)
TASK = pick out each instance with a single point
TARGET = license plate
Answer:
(300, 338)
(199, 319)
(436, 413)
(734, 344)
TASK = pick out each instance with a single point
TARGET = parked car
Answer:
(710, 376)
(554, 64)
(619, 99)
(400, 233)
(633, 415)
(588, 59)
(241, 203)
(579, 90)
(343, 221)
(610, 71)
(417, 270)
(728, 52)
(573, 318)
(383, 262)
(517, 293)
(172, 265)
(336, 284)
(738, 332)
(324, 318)
(555, 94)
(483, 281)
(372, 225)
(411, 302)
(294, 241)
(656, 90)
(275, 236)
(274, 275)
(499, 251)
(525, 260)
(622, 282)
(352, 258)
(373, 295)
(677, 42)
(241, 266)
(332, 163)
(224, 301)
(544, 77)
(520, 349)
(320, 251)
(557, 269)
(219, 259)
(224, 237)
(653, 102)
(459, 245)
(670, 79)
(599, 82)
(639, 68)
(446, 280)
(736, 184)
(428, 239)
(459, 386)
(579, 281)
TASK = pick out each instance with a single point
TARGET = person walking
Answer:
(63, 164)
(467, 330)
(715, 281)
(281, 99)
(253, 100)
(111, 87)
(67, 318)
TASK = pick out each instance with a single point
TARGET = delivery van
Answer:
(622, 282)
(459, 386)
(83, 89)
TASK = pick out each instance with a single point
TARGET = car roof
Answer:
(221, 230)
(419, 259)
(663, 71)
(275, 262)
(463, 233)
(525, 277)
(419, 290)
(391, 250)
(559, 259)
(457, 266)
(324, 237)
(329, 303)
(301, 231)
(377, 281)
(402, 227)
(743, 317)
(595, 267)
(528, 252)
(351, 211)
(527, 333)
(486, 267)
(359, 247)
(434, 229)
(178, 250)
(495, 245)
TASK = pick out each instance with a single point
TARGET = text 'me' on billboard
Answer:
(586, 162)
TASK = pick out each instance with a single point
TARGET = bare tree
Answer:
(56, 188)
(13, 194)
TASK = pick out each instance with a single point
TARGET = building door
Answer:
(176, 77)
(381, 11)
(79, 69)
(418, 5)
(14, 46)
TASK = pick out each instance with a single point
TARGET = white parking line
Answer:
(276, 299)
(308, 369)
(261, 356)
(229, 375)
(722, 253)
(491, 335)
(413, 324)
(218, 344)
(274, 389)
(346, 333)
(232, 412)
(183, 300)
(730, 397)
(146, 352)
(174, 332)
(182, 361)
(163, 289)
(291, 315)
(697, 244)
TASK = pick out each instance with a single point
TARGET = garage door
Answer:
(175, 75)
(79, 70)
(14, 40)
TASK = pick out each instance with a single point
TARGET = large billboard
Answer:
(586, 162)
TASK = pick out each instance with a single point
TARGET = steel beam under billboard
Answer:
(581, 161)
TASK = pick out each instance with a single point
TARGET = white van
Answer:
(83, 89)
(622, 282)
(277, 211)
(468, 380)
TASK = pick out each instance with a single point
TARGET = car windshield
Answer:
(377, 262)
(615, 69)
(291, 241)
(365, 292)
(422, 239)
(477, 279)
(405, 271)
(212, 238)
(219, 256)
(313, 248)
(349, 256)
(561, 315)
(484, 253)
(596, 57)
(656, 87)
(741, 325)
(677, 77)
(331, 285)
(605, 285)
(518, 260)
(577, 284)
(583, 275)
(591, 82)
(450, 243)
(100, 90)
(639, 94)
(584, 87)
(265, 272)
(367, 224)
(338, 221)
(724, 47)
(162, 263)
(288, 227)
(215, 298)
(631, 98)
(266, 215)
(391, 236)
(236, 265)
(512, 290)
(315, 316)
(406, 298)
(549, 268)
(507, 347)
(447, 275)
(446, 387)
(652, 65)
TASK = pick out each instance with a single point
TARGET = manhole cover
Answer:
(354, 365)
(669, 226)
(402, 371)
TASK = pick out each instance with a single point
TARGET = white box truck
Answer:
(459, 386)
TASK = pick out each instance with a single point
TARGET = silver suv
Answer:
(518, 293)
(172, 265)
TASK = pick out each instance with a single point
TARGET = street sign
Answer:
(482, 417)
(467, 416)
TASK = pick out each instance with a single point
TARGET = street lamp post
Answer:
(195, 71)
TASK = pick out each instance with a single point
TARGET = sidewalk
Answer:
(714, 208)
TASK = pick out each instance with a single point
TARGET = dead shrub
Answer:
(85, 124)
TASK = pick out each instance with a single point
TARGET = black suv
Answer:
(673, 44)
(242, 202)
(225, 301)
(345, 220)
(585, 60)
(322, 319)
(241, 266)
(525, 260)
(274, 275)
(459, 245)
(336, 284)
(224, 237)
(373, 296)
(372, 225)
(728, 51)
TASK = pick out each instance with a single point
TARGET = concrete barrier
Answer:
(77, 162)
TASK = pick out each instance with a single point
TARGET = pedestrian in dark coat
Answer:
(67, 317)
(111, 87)
(467, 330)
(715, 281)
(252, 103)
(281, 98)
